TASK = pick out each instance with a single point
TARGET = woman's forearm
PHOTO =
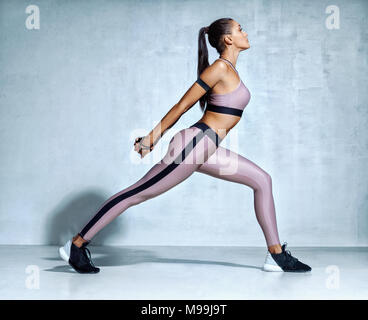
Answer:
(166, 123)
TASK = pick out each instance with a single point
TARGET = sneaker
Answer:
(284, 262)
(78, 258)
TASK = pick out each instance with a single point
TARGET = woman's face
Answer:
(239, 36)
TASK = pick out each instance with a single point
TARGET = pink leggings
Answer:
(193, 149)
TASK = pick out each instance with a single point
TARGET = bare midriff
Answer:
(221, 123)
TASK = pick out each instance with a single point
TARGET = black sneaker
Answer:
(284, 261)
(78, 258)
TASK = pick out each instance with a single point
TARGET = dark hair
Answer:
(215, 31)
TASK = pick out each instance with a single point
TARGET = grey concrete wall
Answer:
(76, 92)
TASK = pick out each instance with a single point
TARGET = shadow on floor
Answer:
(117, 256)
(73, 212)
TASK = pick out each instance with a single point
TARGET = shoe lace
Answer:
(289, 257)
(87, 254)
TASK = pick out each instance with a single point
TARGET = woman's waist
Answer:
(221, 124)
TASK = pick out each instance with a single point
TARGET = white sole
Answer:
(63, 252)
(271, 268)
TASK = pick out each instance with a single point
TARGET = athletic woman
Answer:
(223, 97)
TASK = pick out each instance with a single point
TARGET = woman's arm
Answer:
(210, 76)
(166, 123)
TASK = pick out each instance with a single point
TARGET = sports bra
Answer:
(232, 102)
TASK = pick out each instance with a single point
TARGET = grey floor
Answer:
(140, 272)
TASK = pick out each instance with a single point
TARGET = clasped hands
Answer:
(142, 145)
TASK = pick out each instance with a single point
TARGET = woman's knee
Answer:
(268, 177)
(263, 181)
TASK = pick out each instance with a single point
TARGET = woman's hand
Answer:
(142, 145)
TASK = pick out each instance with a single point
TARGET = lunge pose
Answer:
(223, 97)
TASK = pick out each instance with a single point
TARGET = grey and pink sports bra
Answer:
(232, 102)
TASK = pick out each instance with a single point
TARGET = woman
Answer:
(220, 86)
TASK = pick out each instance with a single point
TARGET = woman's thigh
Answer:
(187, 150)
(231, 166)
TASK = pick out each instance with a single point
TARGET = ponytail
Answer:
(215, 32)
(202, 61)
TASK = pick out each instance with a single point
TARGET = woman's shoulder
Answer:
(219, 65)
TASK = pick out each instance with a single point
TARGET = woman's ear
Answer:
(228, 39)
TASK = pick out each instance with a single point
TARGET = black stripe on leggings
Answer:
(209, 131)
(188, 148)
